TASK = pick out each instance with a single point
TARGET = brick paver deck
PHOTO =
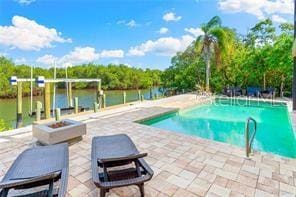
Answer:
(184, 165)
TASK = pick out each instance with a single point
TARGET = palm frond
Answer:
(213, 23)
(219, 36)
(218, 58)
(198, 44)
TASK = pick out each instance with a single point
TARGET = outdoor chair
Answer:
(116, 162)
(253, 91)
(268, 93)
(232, 91)
(35, 168)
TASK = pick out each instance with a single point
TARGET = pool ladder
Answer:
(250, 139)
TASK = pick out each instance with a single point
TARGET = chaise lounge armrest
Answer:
(21, 182)
(122, 183)
(122, 159)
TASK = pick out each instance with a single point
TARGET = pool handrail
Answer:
(249, 140)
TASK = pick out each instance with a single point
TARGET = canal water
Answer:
(86, 98)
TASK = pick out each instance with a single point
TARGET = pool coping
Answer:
(293, 123)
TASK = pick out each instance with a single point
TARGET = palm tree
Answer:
(215, 40)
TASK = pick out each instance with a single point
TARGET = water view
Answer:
(86, 99)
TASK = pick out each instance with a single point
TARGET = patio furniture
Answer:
(59, 131)
(36, 167)
(232, 91)
(268, 93)
(253, 91)
(116, 162)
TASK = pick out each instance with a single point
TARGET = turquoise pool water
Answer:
(224, 121)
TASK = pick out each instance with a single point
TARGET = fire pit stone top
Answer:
(59, 131)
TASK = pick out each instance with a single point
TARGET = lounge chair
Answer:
(233, 91)
(268, 93)
(116, 162)
(39, 166)
(253, 91)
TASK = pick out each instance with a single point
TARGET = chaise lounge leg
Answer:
(4, 192)
(102, 192)
(141, 187)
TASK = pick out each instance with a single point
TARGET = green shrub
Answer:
(3, 126)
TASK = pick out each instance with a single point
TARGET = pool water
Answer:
(224, 121)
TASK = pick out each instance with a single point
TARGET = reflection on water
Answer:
(86, 99)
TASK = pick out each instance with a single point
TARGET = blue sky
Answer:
(143, 34)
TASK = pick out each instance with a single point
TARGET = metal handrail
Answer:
(249, 140)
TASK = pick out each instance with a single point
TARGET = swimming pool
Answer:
(224, 120)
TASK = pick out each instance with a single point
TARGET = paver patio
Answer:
(184, 165)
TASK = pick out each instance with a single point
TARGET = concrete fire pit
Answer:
(59, 131)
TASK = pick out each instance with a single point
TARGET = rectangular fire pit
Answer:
(59, 131)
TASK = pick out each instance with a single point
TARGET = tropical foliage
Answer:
(117, 77)
(216, 40)
(262, 57)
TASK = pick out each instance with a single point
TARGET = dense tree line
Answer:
(114, 77)
(264, 54)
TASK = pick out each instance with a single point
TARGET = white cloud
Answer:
(112, 54)
(195, 31)
(47, 59)
(20, 60)
(278, 19)
(26, 34)
(259, 8)
(25, 2)
(80, 55)
(171, 16)
(166, 46)
(132, 23)
(163, 30)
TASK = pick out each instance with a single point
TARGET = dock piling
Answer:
(99, 94)
(96, 107)
(70, 94)
(38, 110)
(139, 95)
(124, 97)
(47, 100)
(57, 114)
(19, 115)
(104, 100)
(76, 105)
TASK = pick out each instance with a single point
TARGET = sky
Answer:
(138, 33)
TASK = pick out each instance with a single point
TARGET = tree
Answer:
(114, 77)
(213, 42)
(246, 61)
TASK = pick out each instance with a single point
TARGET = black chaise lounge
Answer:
(268, 93)
(253, 91)
(36, 167)
(116, 162)
(232, 91)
